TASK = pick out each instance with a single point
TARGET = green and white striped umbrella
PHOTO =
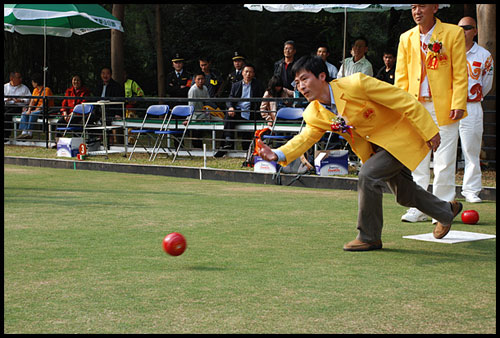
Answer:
(58, 19)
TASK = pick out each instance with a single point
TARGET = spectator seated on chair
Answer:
(239, 111)
(13, 105)
(274, 89)
(35, 107)
(77, 90)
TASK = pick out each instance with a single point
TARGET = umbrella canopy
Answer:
(332, 8)
(58, 19)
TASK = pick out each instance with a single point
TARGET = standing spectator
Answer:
(283, 67)
(179, 80)
(110, 88)
(77, 90)
(249, 87)
(213, 78)
(324, 53)
(480, 71)
(358, 62)
(198, 91)
(12, 105)
(386, 73)
(35, 107)
(234, 76)
(432, 67)
(275, 89)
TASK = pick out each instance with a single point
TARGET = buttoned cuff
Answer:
(280, 154)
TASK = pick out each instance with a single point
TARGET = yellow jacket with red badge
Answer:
(446, 69)
(379, 112)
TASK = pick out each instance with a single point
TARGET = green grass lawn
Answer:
(83, 254)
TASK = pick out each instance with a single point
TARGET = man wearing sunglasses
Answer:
(432, 67)
(480, 72)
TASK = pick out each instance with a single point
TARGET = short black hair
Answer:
(313, 64)
(323, 45)
(389, 51)
(205, 58)
(360, 38)
(249, 65)
(289, 42)
(37, 78)
(199, 73)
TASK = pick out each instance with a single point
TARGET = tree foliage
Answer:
(216, 30)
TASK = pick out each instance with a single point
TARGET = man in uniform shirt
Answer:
(234, 76)
(179, 80)
(480, 71)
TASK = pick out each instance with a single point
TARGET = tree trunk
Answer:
(487, 32)
(159, 55)
(117, 61)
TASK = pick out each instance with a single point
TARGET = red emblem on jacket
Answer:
(368, 114)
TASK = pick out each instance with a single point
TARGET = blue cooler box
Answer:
(331, 162)
(68, 147)
(262, 166)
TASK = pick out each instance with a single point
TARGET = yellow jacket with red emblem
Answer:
(446, 68)
(379, 113)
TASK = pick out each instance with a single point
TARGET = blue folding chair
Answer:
(170, 129)
(154, 112)
(85, 114)
(288, 114)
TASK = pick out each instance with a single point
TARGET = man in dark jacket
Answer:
(107, 89)
(178, 80)
(283, 67)
(238, 111)
(234, 76)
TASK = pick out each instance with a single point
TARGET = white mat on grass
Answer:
(452, 237)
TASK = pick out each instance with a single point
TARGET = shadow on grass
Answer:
(205, 268)
(484, 251)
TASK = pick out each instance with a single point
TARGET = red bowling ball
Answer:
(174, 244)
(470, 217)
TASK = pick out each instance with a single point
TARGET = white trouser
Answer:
(471, 133)
(445, 158)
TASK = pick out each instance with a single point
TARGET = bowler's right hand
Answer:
(265, 152)
(434, 142)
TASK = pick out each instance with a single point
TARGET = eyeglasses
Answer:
(468, 27)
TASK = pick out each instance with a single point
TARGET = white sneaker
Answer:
(414, 215)
(471, 198)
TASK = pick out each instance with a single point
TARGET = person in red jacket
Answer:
(78, 91)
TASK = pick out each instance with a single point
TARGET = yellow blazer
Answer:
(448, 82)
(379, 112)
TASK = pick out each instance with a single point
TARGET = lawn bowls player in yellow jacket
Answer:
(387, 128)
(432, 67)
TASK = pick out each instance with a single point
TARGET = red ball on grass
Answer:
(174, 244)
(470, 216)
